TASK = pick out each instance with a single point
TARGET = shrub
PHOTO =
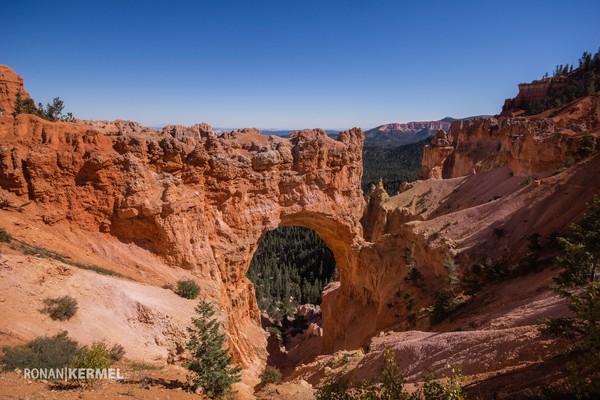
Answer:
(270, 375)
(4, 236)
(441, 307)
(391, 386)
(211, 364)
(43, 352)
(96, 356)
(60, 308)
(527, 181)
(274, 330)
(334, 390)
(188, 289)
(587, 146)
(116, 352)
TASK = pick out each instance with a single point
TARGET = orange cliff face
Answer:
(199, 201)
(10, 85)
(530, 146)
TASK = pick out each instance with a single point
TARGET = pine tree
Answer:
(18, 104)
(211, 364)
(24, 106)
(579, 284)
(581, 257)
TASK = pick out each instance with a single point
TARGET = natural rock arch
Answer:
(198, 200)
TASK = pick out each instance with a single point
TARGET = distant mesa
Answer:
(411, 132)
(398, 134)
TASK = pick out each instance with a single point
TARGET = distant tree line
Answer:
(51, 112)
(394, 165)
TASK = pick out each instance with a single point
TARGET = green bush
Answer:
(96, 356)
(274, 330)
(587, 146)
(335, 390)
(579, 284)
(4, 236)
(60, 308)
(44, 352)
(188, 289)
(270, 375)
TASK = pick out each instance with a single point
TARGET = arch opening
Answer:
(289, 270)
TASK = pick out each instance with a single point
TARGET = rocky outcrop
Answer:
(435, 154)
(530, 146)
(10, 85)
(532, 92)
(197, 200)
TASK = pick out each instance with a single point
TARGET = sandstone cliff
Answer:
(198, 201)
(531, 92)
(530, 146)
(10, 85)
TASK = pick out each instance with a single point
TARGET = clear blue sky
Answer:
(289, 64)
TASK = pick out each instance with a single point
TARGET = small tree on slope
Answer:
(579, 284)
(211, 364)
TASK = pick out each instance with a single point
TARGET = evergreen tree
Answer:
(24, 106)
(591, 89)
(211, 364)
(581, 250)
(579, 283)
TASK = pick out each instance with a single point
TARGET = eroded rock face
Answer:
(532, 92)
(200, 201)
(10, 84)
(530, 146)
(435, 154)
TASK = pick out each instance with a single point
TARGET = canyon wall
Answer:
(199, 201)
(202, 202)
(534, 91)
(530, 146)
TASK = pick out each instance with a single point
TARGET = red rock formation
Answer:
(197, 200)
(529, 93)
(435, 154)
(535, 145)
(10, 85)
